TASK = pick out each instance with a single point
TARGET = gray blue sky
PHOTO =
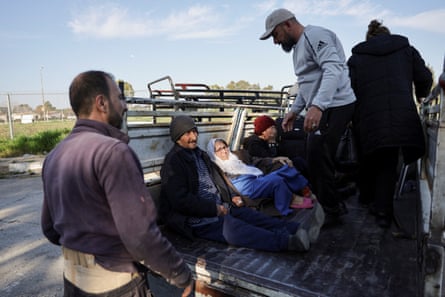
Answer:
(47, 42)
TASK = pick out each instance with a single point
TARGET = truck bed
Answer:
(355, 258)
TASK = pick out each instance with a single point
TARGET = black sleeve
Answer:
(422, 76)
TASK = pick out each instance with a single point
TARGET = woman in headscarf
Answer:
(282, 185)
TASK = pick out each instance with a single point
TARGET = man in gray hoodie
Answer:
(325, 94)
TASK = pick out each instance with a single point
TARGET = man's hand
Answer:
(288, 122)
(238, 201)
(221, 210)
(312, 119)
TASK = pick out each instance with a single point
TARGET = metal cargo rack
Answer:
(217, 113)
(203, 93)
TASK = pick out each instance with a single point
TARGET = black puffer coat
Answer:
(383, 71)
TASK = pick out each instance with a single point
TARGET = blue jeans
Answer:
(249, 228)
(279, 185)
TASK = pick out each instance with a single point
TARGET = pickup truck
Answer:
(356, 258)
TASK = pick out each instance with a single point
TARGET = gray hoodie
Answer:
(322, 73)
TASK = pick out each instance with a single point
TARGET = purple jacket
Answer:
(96, 202)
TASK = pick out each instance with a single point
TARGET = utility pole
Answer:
(43, 94)
(10, 120)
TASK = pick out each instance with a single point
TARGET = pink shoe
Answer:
(307, 203)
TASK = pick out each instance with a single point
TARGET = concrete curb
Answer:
(21, 165)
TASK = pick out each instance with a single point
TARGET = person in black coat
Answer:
(383, 70)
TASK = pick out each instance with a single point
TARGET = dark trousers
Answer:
(321, 147)
(138, 287)
(378, 177)
(249, 228)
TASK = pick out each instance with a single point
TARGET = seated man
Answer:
(196, 201)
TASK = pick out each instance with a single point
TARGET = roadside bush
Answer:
(38, 144)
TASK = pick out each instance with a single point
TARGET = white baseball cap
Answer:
(274, 19)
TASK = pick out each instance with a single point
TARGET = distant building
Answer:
(27, 118)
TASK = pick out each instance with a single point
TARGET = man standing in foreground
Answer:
(324, 91)
(96, 205)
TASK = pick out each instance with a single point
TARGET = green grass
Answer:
(37, 138)
(34, 128)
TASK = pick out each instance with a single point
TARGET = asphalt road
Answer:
(29, 264)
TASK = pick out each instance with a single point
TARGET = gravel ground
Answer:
(29, 264)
